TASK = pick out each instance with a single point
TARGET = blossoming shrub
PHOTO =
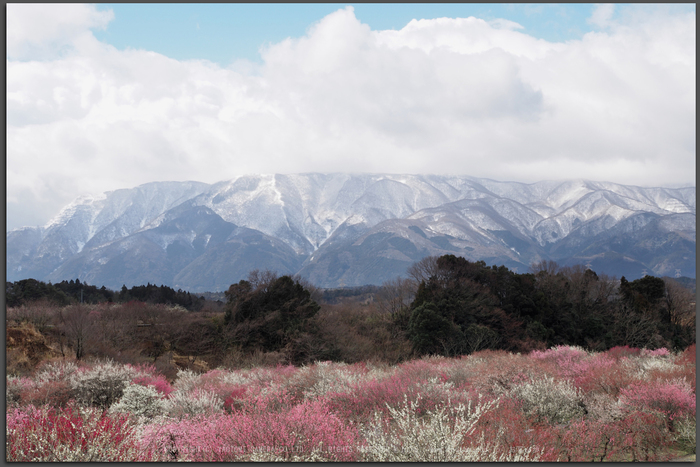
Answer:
(235, 399)
(157, 382)
(148, 375)
(186, 380)
(15, 388)
(600, 373)
(222, 385)
(377, 396)
(624, 351)
(50, 385)
(549, 401)
(660, 352)
(305, 432)
(554, 405)
(458, 371)
(68, 435)
(422, 369)
(142, 401)
(649, 366)
(314, 381)
(673, 399)
(686, 434)
(642, 437)
(561, 354)
(267, 376)
(602, 406)
(102, 385)
(195, 394)
(587, 441)
(638, 436)
(56, 371)
(688, 356)
(496, 373)
(51, 393)
(508, 424)
(686, 362)
(664, 369)
(181, 404)
(303, 381)
(442, 435)
(273, 398)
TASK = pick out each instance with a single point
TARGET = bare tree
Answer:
(75, 323)
(605, 288)
(546, 265)
(549, 281)
(396, 295)
(38, 312)
(480, 337)
(633, 329)
(261, 280)
(193, 334)
(422, 270)
(584, 290)
(679, 302)
(316, 294)
(117, 325)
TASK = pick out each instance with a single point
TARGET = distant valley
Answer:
(342, 230)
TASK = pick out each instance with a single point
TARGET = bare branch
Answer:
(423, 269)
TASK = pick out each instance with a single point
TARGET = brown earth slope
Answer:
(26, 347)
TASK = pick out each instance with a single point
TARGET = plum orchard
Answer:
(561, 404)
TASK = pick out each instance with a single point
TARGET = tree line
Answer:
(451, 306)
(70, 292)
(461, 307)
(446, 306)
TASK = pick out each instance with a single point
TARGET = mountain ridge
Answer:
(316, 225)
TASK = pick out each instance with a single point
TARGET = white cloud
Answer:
(602, 15)
(41, 30)
(501, 23)
(438, 96)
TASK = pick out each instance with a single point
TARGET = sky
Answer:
(109, 96)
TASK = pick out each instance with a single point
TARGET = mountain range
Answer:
(340, 230)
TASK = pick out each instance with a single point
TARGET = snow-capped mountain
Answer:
(353, 229)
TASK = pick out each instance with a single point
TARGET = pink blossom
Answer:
(306, 427)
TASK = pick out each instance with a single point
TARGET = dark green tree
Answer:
(270, 317)
(432, 333)
(468, 296)
(643, 294)
(29, 290)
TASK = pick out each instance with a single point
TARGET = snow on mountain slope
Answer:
(22, 244)
(117, 214)
(485, 224)
(90, 221)
(305, 209)
(314, 214)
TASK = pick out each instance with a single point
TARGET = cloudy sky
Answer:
(101, 97)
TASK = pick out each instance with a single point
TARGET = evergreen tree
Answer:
(269, 317)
